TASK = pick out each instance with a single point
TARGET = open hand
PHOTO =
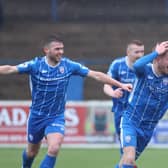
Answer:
(162, 47)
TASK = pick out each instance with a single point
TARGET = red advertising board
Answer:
(86, 123)
(75, 124)
(13, 121)
(13, 124)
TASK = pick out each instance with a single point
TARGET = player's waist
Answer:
(122, 100)
(140, 122)
(39, 113)
(150, 125)
(119, 106)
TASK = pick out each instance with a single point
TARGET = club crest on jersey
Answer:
(24, 65)
(61, 69)
(165, 81)
(128, 139)
(31, 137)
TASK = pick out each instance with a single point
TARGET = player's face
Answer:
(54, 51)
(135, 52)
(163, 64)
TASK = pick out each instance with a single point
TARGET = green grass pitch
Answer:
(85, 158)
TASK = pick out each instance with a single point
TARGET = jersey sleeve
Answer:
(25, 67)
(78, 69)
(141, 63)
(113, 70)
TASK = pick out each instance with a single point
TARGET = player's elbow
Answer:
(100, 76)
(94, 74)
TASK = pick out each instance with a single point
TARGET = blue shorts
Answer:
(118, 111)
(134, 136)
(117, 120)
(38, 127)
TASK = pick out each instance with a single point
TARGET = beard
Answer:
(55, 59)
(163, 70)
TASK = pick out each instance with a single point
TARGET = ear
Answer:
(157, 59)
(128, 51)
(46, 50)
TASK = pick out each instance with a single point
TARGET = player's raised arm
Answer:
(8, 69)
(99, 76)
(159, 50)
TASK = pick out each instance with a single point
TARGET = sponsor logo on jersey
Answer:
(165, 81)
(61, 69)
(150, 77)
(123, 72)
(44, 71)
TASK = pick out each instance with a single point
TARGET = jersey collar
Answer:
(45, 58)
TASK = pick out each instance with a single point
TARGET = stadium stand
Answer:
(95, 34)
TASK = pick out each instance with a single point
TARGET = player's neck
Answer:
(129, 62)
(156, 70)
(51, 62)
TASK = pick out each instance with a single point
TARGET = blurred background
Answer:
(95, 32)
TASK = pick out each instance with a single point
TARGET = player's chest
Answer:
(158, 86)
(56, 75)
(126, 76)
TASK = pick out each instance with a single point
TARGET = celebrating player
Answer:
(121, 70)
(49, 76)
(148, 102)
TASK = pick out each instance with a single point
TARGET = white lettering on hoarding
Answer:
(72, 119)
(71, 131)
(4, 117)
(17, 118)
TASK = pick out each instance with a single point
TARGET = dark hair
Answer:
(136, 42)
(53, 38)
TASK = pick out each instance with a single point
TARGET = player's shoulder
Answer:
(148, 66)
(147, 70)
(65, 59)
(118, 61)
(38, 59)
(68, 61)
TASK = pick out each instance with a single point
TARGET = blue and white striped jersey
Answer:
(49, 83)
(149, 99)
(120, 71)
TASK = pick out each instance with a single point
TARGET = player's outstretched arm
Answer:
(8, 69)
(115, 93)
(99, 76)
